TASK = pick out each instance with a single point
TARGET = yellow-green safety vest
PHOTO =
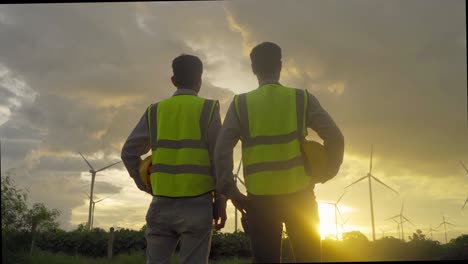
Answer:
(178, 128)
(272, 122)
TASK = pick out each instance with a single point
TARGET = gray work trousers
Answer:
(189, 220)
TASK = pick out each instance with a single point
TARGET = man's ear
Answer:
(174, 82)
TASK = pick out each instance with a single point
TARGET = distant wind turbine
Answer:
(337, 212)
(430, 230)
(369, 176)
(383, 232)
(403, 219)
(93, 176)
(398, 227)
(466, 200)
(92, 212)
(445, 223)
(343, 223)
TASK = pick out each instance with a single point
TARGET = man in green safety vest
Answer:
(181, 133)
(271, 122)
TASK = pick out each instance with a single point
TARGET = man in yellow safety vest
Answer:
(271, 122)
(181, 133)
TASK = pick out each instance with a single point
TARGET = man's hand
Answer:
(240, 201)
(219, 211)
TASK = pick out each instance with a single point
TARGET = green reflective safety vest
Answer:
(272, 122)
(179, 142)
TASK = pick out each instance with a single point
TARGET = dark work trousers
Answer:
(299, 212)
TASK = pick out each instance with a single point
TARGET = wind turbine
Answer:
(403, 219)
(445, 223)
(236, 177)
(383, 232)
(343, 223)
(430, 230)
(369, 176)
(466, 200)
(398, 227)
(93, 176)
(335, 205)
(92, 212)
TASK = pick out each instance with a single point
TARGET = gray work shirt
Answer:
(138, 142)
(316, 118)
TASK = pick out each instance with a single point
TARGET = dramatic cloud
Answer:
(392, 73)
(77, 77)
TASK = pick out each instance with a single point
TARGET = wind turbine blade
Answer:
(393, 217)
(449, 224)
(357, 181)
(109, 166)
(370, 166)
(346, 221)
(86, 161)
(100, 200)
(463, 166)
(439, 225)
(339, 213)
(340, 197)
(379, 181)
(409, 221)
(238, 167)
(465, 203)
(241, 181)
(402, 205)
(89, 197)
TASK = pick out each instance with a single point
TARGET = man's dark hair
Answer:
(187, 70)
(265, 58)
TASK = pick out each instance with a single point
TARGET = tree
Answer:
(13, 204)
(38, 219)
(354, 235)
(418, 236)
(17, 217)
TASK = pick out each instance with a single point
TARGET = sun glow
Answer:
(327, 221)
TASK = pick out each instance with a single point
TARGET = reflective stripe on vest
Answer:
(180, 158)
(272, 121)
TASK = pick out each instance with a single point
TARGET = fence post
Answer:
(110, 244)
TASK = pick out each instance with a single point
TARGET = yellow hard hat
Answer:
(315, 158)
(145, 171)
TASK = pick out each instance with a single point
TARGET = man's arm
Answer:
(320, 121)
(137, 144)
(227, 140)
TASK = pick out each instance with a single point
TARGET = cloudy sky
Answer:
(77, 77)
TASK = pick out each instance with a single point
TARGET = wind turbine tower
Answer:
(369, 176)
(398, 226)
(92, 212)
(337, 211)
(93, 176)
(445, 223)
(466, 200)
(403, 219)
(430, 230)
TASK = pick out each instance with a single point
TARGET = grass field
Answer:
(42, 257)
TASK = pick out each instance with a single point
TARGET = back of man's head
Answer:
(266, 59)
(187, 71)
